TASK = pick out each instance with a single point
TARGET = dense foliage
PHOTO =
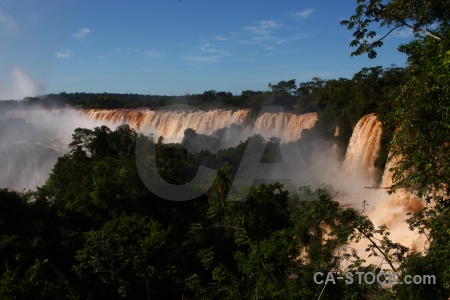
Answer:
(94, 231)
(420, 115)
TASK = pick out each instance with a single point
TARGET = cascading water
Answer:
(397, 205)
(358, 182)
(348, 179)
(59, 124)
(390, 210)
(172, 124)
(364, 148)
(288, 127)
(169, 123)
(356, 173)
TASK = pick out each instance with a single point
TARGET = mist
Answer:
(32, 140)
(20, 85)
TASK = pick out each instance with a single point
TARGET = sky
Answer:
(173, 47)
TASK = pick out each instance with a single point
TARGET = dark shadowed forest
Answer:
(94, 230)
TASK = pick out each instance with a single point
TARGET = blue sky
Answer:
(172, 47)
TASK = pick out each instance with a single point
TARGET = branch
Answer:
(402, 23)
(389, 32)
(378, 248)
(427, 32)
(414, 28)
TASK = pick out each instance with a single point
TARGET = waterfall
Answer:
(169, 123)
(364, 148)
(347, 180)
(172, 124)
(402, 197)
(288, 127)
(390, 210)
(387, 179)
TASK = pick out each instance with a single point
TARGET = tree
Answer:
(419, 16)
(421, 105)
(288, 87)
(422, 115)
(209, 95)
(421, 119)
(124, 254)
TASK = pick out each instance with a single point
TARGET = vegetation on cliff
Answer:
(94, 231)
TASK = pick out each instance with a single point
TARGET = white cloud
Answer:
(154, 53)
(63, 54)
(82, 33)
(197, 58)
(211, 48)
(7, 24)
(121, 53)
(221, 38)
(268, 34)
(262, 33)
(264, 27)
(303, 14)
(20, 86)
(208, 53)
